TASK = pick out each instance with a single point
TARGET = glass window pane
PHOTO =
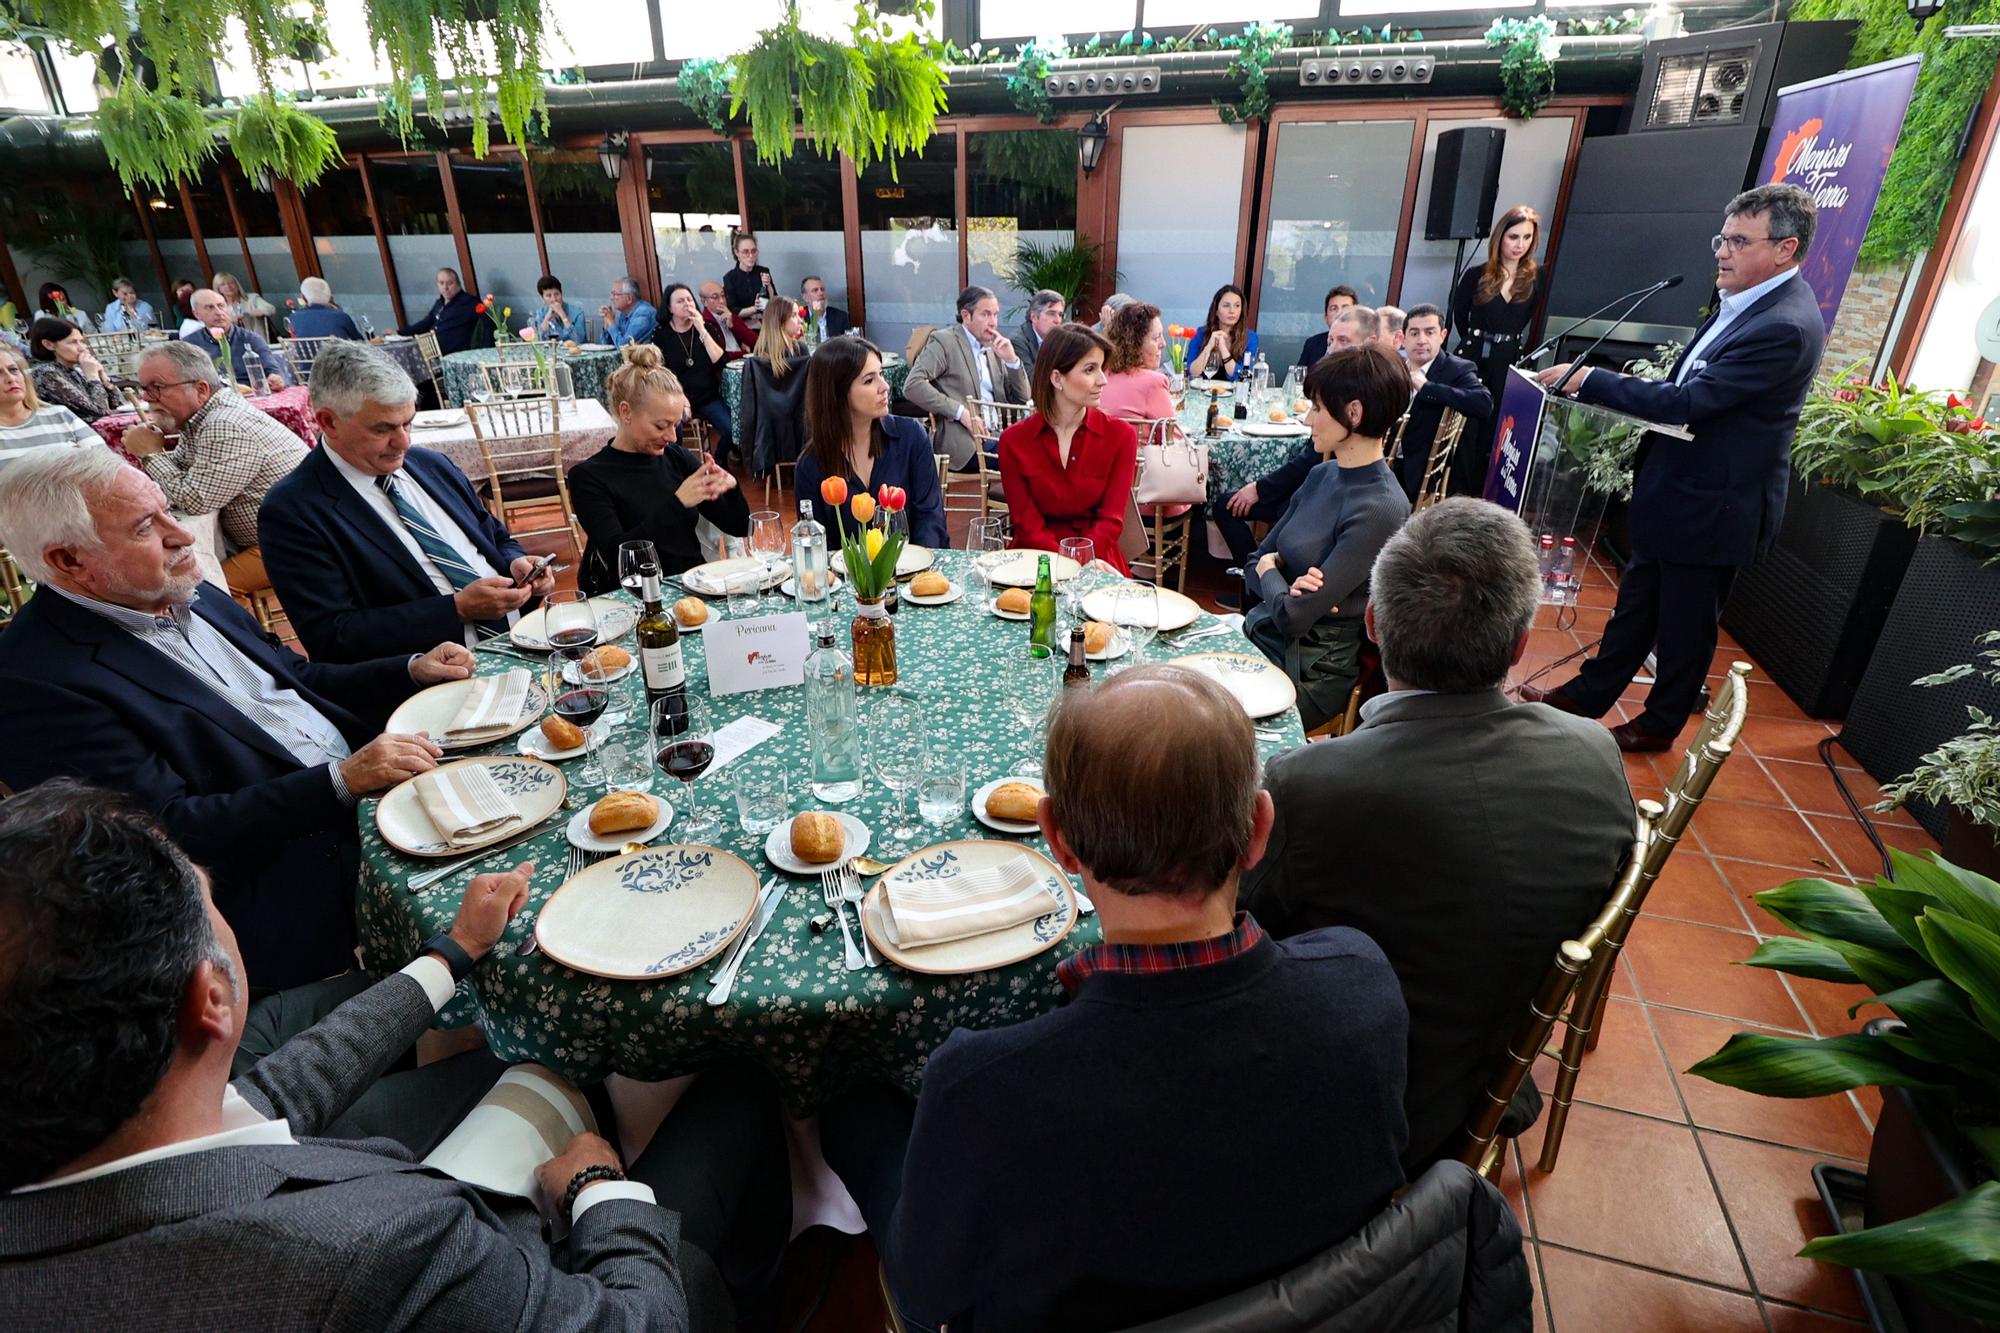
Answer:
(277, 275)
(76, 75)
(691, 195)
(1048, 18)
(604, 32)
(344, 240)
(796, 212)
(170, 231)
(909, 242)
(410, 194)
(1180, 200)
(713, 31)
(218, 229)
(1182, 13)
(20, 80)
(1336, 202)
(1020, 190)
(580, 225)
(493, 200)
(1948, 355)
(1357, 8)
(45, 225)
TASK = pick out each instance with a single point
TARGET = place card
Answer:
(758, 653)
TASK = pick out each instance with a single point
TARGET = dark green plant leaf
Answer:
(1803, 958)
(1970, 955)
(1823, 910)
(1901, 907)
(1964, 1231)
(1813, 1067)
(1941, 1020)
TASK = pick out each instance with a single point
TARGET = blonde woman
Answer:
(778, 342)
(26, 422)
(768, 422)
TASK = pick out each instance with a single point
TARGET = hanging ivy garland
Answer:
(1256, 47)
(1527, 69)
(704, 90)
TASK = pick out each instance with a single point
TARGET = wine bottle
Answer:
(659, 643)
(1077, 670)
(1042, 607)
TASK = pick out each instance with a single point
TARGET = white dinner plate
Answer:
(1176, 610)
(572, 672)
(536, 746)
(709, 580)
(430, 712)
(440, 419)
(914, 559)
(1274, 429)
(593, 347)
(395, 337)
(578, 829)
(535, 788)
(994, 821)
(1259, 686)
(981, 952)
(1212, 386)
(1016, 569)
(1121, 644)
(1011, 615)
(956, 591)
(651, 914)
(615, 618)
(778, 845)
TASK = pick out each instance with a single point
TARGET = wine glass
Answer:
(768, 541)
(1070, 593)
(684, 732)
(1031, 692)
(635, 560)
(984, 539)
(898, 742)
(570, 622)
(1135, 610)
(585, 695)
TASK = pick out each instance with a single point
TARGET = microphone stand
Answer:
(1578, 363)
(1641, 294)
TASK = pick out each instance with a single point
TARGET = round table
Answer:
(588, 370)
(291, 407)
(795, 1010)
(1235, 459)
(405, 353)
(894, 369)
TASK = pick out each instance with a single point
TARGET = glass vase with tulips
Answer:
(870, 552)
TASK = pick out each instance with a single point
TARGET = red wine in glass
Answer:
(574, 643)
(686, 760)
(582, 707)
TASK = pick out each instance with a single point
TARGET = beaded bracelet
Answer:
(590, 1175)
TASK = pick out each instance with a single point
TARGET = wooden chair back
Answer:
(302, 352)
(517, 377)
(433, 355)
(1481, 1147)
(1437, 468)
(521, 444)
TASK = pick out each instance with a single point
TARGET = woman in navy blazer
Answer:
(849, 433)
(1222, 348)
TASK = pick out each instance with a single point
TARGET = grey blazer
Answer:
(1468, 836)
(325, 1234)
(943, 378)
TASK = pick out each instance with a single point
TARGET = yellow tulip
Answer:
(508, 311)
(864, 508)
(873, 540)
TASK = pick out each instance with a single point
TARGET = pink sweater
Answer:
(1136, 393)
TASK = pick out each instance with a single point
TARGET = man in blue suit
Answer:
(1703, 508)
(126, 671)
(377, 548)
(455, 317)
(1444, 382)
(319, 317)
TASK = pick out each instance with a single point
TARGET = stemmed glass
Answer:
(634, 560)
(1135, 610)
(580, 690)
(983, 540)
(1031, 692)
(898, 742)
(684, 730)
(1082, 550)
(768, 541)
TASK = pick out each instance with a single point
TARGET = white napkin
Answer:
(971, 902)
(733, 740)
(465, 803)
(492, 706)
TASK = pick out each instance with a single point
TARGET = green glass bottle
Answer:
(1042, 608)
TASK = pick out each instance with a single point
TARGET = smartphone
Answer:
(535, 571)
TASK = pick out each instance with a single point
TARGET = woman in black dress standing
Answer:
(1492, 309)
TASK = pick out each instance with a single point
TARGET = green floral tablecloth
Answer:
(795, 1009)
(1235, 459)
(896, 371)
(588, 371)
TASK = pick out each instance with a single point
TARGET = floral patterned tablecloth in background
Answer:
(291, 406)
(795, 1009)
(588, 371)
(1235, 459)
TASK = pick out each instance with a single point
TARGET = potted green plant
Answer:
(275, 139)
(1963, 774)
(1068, 269)
(1927, 943)
(152, 137)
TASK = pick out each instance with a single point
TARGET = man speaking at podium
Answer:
(1705, 507)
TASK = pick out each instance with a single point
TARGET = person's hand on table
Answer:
(143, 440)
(490, 902)
(1308, 583)
(585, 1150)
(1272, 560)
(704, 484)
(273, 381)
(492, 597)
(544, 583)
(1241, 503)
(447, 661)
(387, 760)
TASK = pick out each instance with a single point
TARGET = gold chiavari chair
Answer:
(515, 377)
(998, 417)
(1168, 536)
(433, 355)
(1392, 443)
(1482, 1148)
(14, 587)
(1437, 468)
(521, 441)
(302, 352)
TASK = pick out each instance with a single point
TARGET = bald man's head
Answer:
(209, 307)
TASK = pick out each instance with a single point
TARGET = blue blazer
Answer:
(324, 321)
(242, 342)
(1452, 382)
(80, 697)
(351, 589)
(907, 460)
(1718, 499)
(1249, 352)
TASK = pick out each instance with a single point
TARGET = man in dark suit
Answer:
(319, 317)
(831, 320)
(125, 670)
(151, 1183)
(1466, 835)
(1186, 1024)
(375, 547)
(1046, 310)
(454, 317)
(1443, 382)
(1339, 299)
(1703, 508)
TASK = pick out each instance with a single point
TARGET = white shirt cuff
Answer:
(340, 789)
(604, 1191)
(434, 977)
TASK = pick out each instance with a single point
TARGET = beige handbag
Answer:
(1173, 473)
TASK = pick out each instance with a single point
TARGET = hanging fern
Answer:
(412, 34)
(274, 136)
(152, 138)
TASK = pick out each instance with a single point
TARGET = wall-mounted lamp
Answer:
(1921, 10)
(1090, 141)
(611, 153)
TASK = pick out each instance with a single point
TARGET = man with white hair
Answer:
(375, 547)
(123, 671)
(219, 328)
(320, 317)
(1389, 322)
(627, 319)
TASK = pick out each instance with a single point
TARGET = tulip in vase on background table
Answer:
(870, 552)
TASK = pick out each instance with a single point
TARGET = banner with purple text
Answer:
(1832, 138)
(1521, 406)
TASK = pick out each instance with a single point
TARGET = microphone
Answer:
(1584, 356)
(1640, 295)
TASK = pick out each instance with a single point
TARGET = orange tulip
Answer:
(833, 490)
(864, 507)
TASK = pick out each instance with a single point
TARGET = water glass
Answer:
(985, 539)
(941, 789)
(762, 801)
(768, 540)
(745, 591)
(1031, 691)
(899, 742)
(1135, 610)
(626, 768)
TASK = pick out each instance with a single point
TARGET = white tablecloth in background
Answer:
(586, 428)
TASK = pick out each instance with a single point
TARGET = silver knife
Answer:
(767, 907)
(418, 883)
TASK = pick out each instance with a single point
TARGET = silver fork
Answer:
(579, 860)
(830, 893)
(850, 890)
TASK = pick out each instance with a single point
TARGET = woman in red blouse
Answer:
(1067, 469)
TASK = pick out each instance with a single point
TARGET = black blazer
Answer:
(350, 588)
(1718, 499)
(1315, 348)
(1451, 382)
(80, 697)
(771, 420)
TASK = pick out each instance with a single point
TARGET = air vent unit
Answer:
(1701, 88)
(1359, 72)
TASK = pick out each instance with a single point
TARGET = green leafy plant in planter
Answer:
(1256, 47)
(1527, 69)
(1927, 943)
(704, 90)
(152, 137)
(1067, 269)
(1964, 772)
(275, 140)
(1916, 454)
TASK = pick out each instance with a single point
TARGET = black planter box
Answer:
(1947, 600)
(1811, 610)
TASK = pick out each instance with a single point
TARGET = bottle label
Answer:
(664, 668)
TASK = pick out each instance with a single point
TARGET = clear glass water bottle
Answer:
(253, 375)
(833, 721)
(1260, 379)
(809, 564)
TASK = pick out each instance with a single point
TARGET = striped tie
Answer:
(442, 553)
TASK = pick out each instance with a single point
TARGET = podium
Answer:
(1556, 462)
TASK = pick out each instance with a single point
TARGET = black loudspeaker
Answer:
(1465, 184)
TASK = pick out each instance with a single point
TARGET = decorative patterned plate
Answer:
(536, 788)
(778, 845)
(994, 821)
(1017, 568)
(956, 591)
(1274, 429)
(655, 913)
(710, 579)
(1259, 686)
(431, 711)
(615, 618)
(1176, 610)
(579, 834)
(981, 952)
(913, 560)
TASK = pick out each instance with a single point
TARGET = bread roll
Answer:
(691, 611)
(1279, 414)
(623, 811)
(1017, 801)
(1097, 636)
(930, 583)
(1014, 600)
(609, 658)
(817, 838)
(562, 733)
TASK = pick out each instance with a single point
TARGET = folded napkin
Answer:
(971, 902)
(492, 706)
(465, 803)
